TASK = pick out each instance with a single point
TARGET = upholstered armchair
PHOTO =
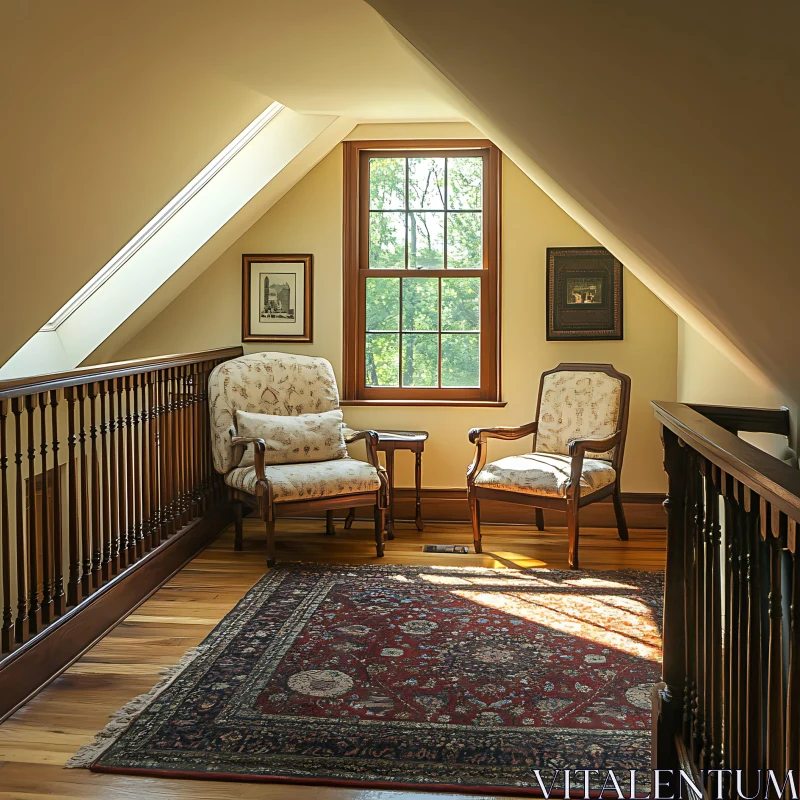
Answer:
(288, 468)
(576, 458)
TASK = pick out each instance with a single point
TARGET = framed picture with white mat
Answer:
(277, 293)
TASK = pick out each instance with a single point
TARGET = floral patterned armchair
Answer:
(582, 409)
(281, 384)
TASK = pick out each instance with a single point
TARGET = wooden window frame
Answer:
(356, 271)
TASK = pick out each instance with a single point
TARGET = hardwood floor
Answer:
(40, 737)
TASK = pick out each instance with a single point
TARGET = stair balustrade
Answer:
(730, 695)
(99, 468)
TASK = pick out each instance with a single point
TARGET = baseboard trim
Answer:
(27, 670)
(642, 510)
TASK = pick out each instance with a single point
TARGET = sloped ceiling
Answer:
(111, 108)
(675, 125)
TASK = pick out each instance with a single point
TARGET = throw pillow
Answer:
(293, 440)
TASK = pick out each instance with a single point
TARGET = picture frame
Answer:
(584, 294)
(277, 298)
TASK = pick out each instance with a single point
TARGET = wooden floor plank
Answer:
(44, 734)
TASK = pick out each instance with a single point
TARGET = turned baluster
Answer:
(690, 613)
(147, 468)
(731, 640)
(169, 447)
(153, 477)
(7, 629)
(199, 436)
(86, 549)
(178, 460)
(181, 442)
(741, 523)
(205, 438)
(699, 570)
(174, 466)
(792, 761)
(74, 594)
(34, 550)
(132, 392)
(117, 546)
(22, 624)
(163, 455)
(194, 498)
(774, 531)
(713, 618)
(58, 543)
(753, 723)
(107, 536)
(96, 524)
(130, 499)
(125, 544)
(191, 500)
(46, 532)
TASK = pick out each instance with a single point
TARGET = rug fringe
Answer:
(121, 720)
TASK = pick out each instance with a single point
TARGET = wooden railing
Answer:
(730, 696)
(98, 467)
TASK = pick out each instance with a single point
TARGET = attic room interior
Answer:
(328, 329)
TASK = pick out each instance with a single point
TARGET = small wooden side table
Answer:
(388, 442)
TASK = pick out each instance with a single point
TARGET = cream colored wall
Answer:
(309, 219)
(707, 375)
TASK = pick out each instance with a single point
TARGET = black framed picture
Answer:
(584, 294)
(277, 295)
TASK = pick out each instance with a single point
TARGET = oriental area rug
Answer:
(441, 678)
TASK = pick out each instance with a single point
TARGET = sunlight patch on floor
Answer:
(579, 615)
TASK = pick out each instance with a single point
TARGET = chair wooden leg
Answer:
(270, 525)
(573, 532)
(475, 514)
(330, 528)
(379, 526)
(237, 525)
(622, 526)
(539, 519)
(348, 522)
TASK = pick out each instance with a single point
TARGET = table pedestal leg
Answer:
(390, 476)
(418, 487)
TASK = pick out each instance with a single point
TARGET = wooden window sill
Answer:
(430, 403)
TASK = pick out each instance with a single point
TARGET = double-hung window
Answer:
(421, 271)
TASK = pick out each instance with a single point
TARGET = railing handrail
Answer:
(19, 387)
(772, 479)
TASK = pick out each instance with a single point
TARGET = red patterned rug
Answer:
(456, 678)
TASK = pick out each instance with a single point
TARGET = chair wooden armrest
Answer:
(371, 440)
(481, 434)
(578, 447)
(259, 448)
(478, 437)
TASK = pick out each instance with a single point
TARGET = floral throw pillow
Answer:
(293, 440)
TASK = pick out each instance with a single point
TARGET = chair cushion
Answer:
(577, 405)
(293, 440)
(310, 481)
(543, 474)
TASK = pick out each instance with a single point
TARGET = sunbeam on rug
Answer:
(406, 677)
